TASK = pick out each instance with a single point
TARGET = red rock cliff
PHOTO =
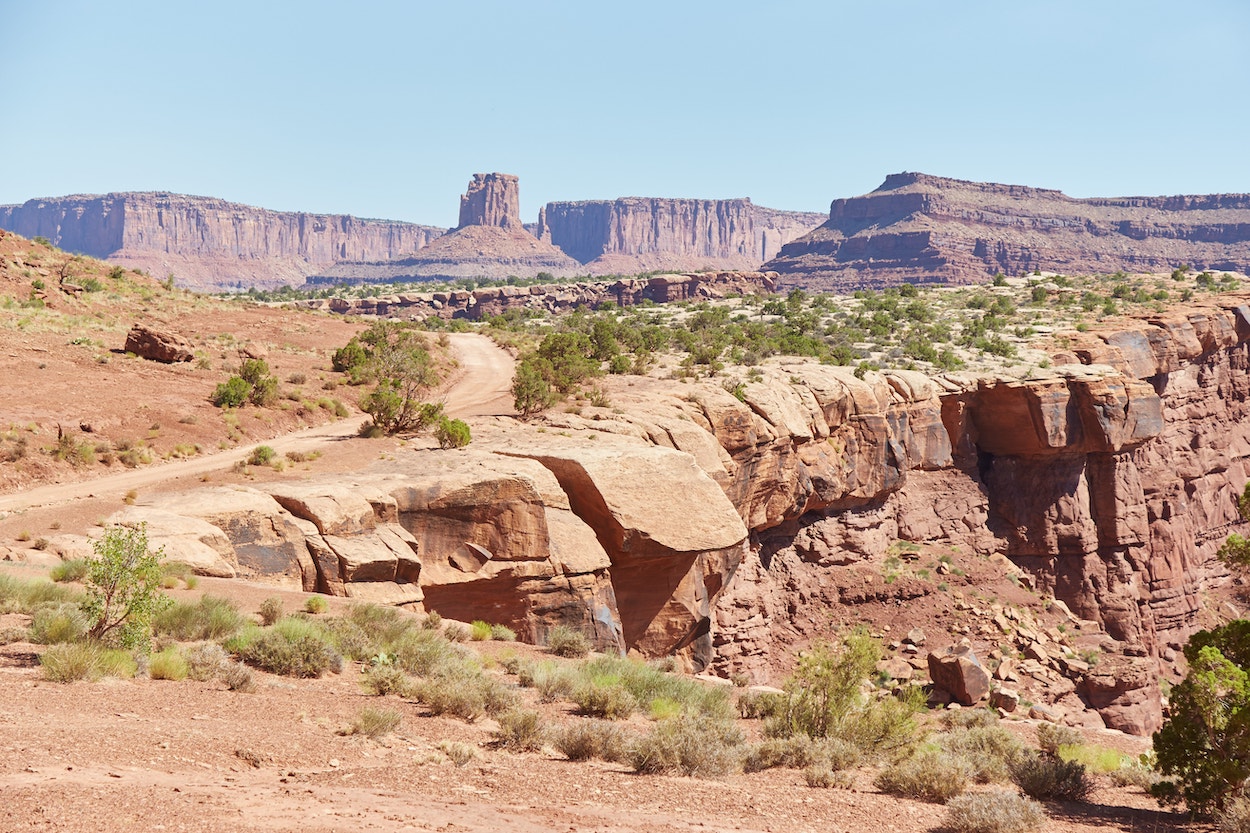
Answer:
(210, 244)
(928, 229)
(636, 234)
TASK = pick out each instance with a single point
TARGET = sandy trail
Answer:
(480, 387)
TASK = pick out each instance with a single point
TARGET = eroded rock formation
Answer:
(478, 304)
(209, 244)
(638, 234)
(928, 229)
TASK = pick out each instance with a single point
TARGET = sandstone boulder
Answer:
(159, 345)
(957, 670)
(1125, 692)
(185, 540)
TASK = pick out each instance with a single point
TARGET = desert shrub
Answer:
(75, 569)
(466, 694)
(271, 610)
(386, 625)
(210, 618)
(607, 699)
(375, 723)
(261, 455)
(1050, 736)
(70, 662)
(123, 582)
(458, 752)
(115, 662)
(264, 391)
(452, 433)
(521, 730)
(551, 680)
(316, 605)
(753, 705)
(206, 661)
(502, 633)
(1135, 774)
(19, 595)
(231, 393)
(698, 746)
(823, 776)
(1097, 759)
(969, 719)
(175, 572)
(927, 775)
(583, 740)
(168, 664)
(238, 677)
(993, 812)
(989, 749)
(11, 634)
(426, 653)
(564, 641)
(54, 623)
(479, 631)
(385, 679)
(1047, 778)
(531, 392)
(292, 647)
(795, 752)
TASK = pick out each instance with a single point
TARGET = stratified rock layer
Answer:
(209, 244)
(638, 234)
(928, 229)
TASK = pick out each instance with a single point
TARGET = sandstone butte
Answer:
(930, 229)
(685, 521)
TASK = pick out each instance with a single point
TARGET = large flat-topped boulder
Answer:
(185, 540)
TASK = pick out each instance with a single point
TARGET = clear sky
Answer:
(385, 109)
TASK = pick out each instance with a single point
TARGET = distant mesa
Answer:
(928, 229)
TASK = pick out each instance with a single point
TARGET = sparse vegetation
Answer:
(993, 812)
(564, 641)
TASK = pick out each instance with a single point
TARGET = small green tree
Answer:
(232, 393)
(1204, 747)
(397, 358)
(123, 588)
(1236, 550)
(452, 433)
(530, 391)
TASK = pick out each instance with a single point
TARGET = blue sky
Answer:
(385, 109)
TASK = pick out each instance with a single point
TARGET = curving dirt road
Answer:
(480, 387)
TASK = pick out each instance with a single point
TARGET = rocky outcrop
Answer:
(478, 304)
(209, 244)
(927, 229)
(158, 345)
(957, 671)
(637, 234)
(490, 242)
(491, 200)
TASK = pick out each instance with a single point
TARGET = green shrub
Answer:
(988, 749)
(697, 746)
(928, 775)
(123, 582)
(386, 679)
(754, 705)
(452, 433)
(75, 569)
(271, 610)
(993, 812)
(54, 623)
(502, 633)
(427, 653)
(292, 647)
(1097, 759)
(465, 693)
(72, 661)
(458, 752)
(551, 680)
(583, 740)
(231, 393)
(19, 595)
(795, 752)
(564, 641)
(114, 662)
(210, 618)
(609, 700)
(375, 723)
(261, 455)
(168, 664)
(1049, 779)
(520, 730)
(316, 605)
(1050, 736)
(479, 631)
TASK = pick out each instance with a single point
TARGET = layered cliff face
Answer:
(210, 244)
(638, 234)
(926, 229)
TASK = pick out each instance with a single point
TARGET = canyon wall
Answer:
(638, 234)
(927, 229)
(210, 244)
(728, 528)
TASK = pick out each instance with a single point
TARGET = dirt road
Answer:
(478, 388)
